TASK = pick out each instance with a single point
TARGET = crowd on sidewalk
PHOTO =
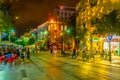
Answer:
(14, 55)
(83, 55)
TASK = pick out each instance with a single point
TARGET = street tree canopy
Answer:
(108, 24)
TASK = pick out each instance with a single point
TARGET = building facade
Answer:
(63, 13)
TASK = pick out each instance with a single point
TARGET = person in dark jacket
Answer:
(28, 55)
(22, 55)
(74, 54)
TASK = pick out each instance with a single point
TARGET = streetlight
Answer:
(17, 17)
(0, 38)
(109, 38)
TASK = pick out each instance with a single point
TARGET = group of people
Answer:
(55, 51)
(13, 55)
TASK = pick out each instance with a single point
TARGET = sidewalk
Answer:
(115, 59)
(114, 62)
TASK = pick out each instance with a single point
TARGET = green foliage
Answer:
(94, 2)
(108, 24)
(31, 41)
(82, 31)
(5, 38)
(21, 43)
(5, 17)
(72, 26)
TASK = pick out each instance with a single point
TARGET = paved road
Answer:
(48, 67)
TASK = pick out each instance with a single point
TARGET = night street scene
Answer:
(59, 39)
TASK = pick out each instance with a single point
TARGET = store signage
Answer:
(109, 38)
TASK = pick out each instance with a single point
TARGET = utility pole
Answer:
(0, 38)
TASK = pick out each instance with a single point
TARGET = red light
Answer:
(61, 7)
(99, 36)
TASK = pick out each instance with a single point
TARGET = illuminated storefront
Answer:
(114, 44)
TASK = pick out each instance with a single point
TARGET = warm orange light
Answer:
(51, 21)
(17, 17)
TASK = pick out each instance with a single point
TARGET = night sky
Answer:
(32, 13)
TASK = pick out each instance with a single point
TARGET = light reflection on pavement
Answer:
(80, 70)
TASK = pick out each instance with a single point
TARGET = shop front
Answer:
(114, 45)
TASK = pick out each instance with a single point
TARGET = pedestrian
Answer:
(13, 58)
(63, 52)
(74, 54)
(18, 52)
(84, 54)
(9, 58)
(33, 50)
(1, 59)
(28, 55)
(16, 57)
(78, 52)
(51, 50)
(22, 55)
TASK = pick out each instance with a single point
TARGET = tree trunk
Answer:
(91, 42)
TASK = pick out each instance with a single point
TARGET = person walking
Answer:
(74, 54)
(9, 58)
(78, 52)
(22, 55)
(28, 55)
(1, 59)
(51, 50)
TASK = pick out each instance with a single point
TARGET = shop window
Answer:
(61, 13)
(65, 13)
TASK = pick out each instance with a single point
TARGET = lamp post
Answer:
(0, 38)
(109, 38)
(119, 46)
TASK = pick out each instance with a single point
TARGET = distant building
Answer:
(63, 13)
(9, 1)
(50, 30)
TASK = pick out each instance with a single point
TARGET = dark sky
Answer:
(34, 12)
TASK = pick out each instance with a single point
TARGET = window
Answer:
(65, 18)
(61, 18)
(65, 13)
(69, 14)
(74, 13)
(61, 13)
(55, 36)
(69, 18)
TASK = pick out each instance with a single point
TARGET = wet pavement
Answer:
(44, 66)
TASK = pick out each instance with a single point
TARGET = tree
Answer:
(31, 41)
(73, 31)
(77, 33)
(6, 22)
(108, 24)
(82, 32)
